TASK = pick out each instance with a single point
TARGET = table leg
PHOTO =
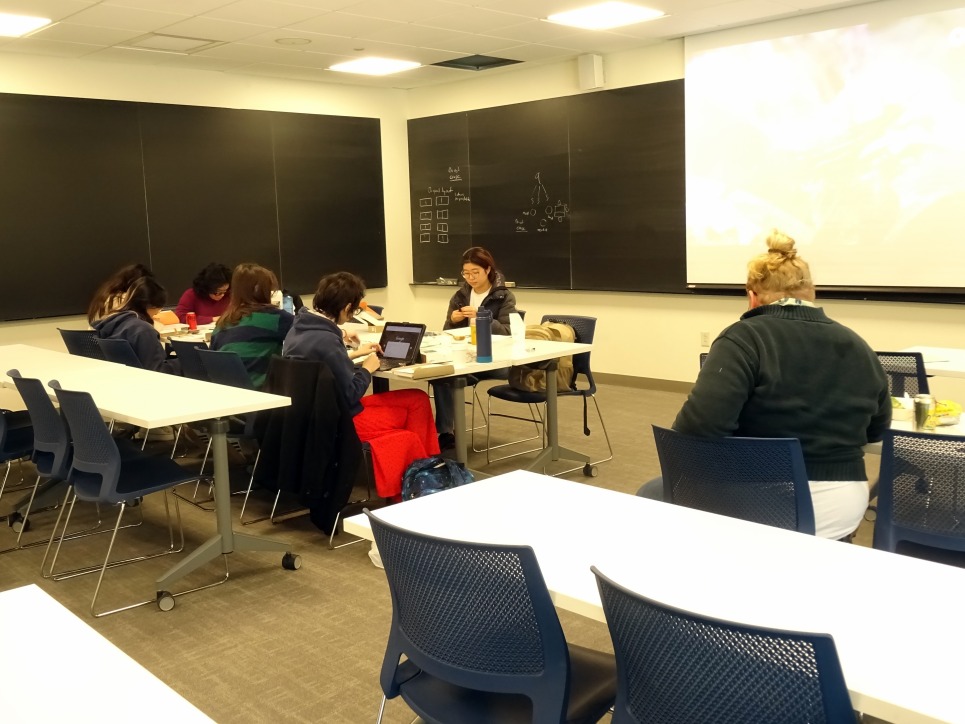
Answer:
(226, 539)
(553, 451)
(458, 385)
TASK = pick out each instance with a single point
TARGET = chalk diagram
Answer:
(542, 213)
(439, 198)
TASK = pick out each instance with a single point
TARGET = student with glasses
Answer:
(482, 287)
(209, 295)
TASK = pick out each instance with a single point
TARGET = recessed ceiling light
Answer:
(292, 41)
(605, 16)
(13, 26)
(374, 66)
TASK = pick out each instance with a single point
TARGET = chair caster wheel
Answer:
(590, 471)
(291, 562)
(165, 601)
(17, 522)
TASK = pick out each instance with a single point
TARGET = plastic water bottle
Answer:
(484, 335)
(288, 303)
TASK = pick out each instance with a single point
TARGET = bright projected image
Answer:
(850, 139)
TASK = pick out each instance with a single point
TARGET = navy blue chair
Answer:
(678, 666)
(16, 443)
(81, 342)
(481, 639)
(99, 473)
(224, 367)
(905, 371)
(187, 353)
(50, 452)
(585, 330)
(762, 480)
(118, 351)
(921, 496)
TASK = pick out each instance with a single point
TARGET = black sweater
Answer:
(790, 371)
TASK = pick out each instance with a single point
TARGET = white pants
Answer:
(839, 507)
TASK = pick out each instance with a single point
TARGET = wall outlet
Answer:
(705, 339)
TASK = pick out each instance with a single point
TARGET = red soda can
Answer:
(192, 320)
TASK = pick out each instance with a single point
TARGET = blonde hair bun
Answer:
(780, 243)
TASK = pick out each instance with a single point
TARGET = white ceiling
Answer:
(242, 34)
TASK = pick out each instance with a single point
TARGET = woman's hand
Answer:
(365, 350)
(372, 362)
(468, 312)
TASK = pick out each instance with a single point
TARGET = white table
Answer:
(152, 399)
(896, 620)
(61, 669)
(941, 361)
(504, 355)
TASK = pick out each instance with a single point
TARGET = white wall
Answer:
(646, 335)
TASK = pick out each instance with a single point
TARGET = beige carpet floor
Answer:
(272, 645)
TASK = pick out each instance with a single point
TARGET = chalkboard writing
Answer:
(89, 185)
(585, 192)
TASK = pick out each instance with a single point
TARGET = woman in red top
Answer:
(208, 296)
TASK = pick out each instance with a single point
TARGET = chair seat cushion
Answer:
(140, 475)
(593, 685)
(511, 394)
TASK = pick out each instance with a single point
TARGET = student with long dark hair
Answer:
(113, 292)
(251, 325)
(209, 295)
(482, 287)
(133, 321)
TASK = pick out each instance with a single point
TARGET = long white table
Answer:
(504, 355)
(151, 399)
(896, 621)
(941, 361)
(61, 669)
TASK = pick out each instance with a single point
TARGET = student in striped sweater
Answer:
(251, 326)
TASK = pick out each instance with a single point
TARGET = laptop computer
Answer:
(400, 344)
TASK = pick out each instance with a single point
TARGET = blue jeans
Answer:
(442, 394)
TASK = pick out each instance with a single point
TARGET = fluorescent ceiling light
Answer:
(13, 26)
(374, 66)
(605, 16)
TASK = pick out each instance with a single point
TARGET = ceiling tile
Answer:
(109, 16)
(183, 7)
(226, 30)
(407, 12)
(35, 46)
(72, 33)
(471, 20)
(265, 12)
(350, 26)
(53, 9)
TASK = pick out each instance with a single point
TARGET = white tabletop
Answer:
(461, 355)
(161, 399)
(895, 620)
(941, 361)
(61, 670)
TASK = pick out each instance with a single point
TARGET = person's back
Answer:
(256, 337)
(787, 370)
(790, 371)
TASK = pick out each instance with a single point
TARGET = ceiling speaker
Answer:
(591, 71)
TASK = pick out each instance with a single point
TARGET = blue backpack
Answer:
(430, 475)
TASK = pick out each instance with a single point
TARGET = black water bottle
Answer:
(484, 335)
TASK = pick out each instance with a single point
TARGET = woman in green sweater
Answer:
(787, 370)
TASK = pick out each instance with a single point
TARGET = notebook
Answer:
(400, 344)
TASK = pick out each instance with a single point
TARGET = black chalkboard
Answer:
(441, 203)
(71, 200)
(331, 214)
(584, 192)
(89, 185)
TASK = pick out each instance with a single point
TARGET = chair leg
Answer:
(63, 506)
(535, 417)
(381, 710)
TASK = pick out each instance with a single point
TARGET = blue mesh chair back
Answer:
(905, 372)
(677, 666)
(81, 342)
(757, 479)
(584, 329)
(191, 365)
(480, 635)
(921, 491)
(225, 368)
(51, 440)
(119, 351)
